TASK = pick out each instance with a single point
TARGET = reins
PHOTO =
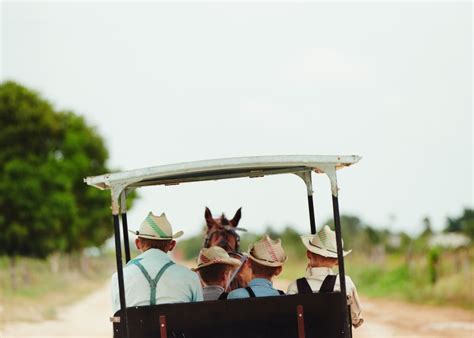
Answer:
(243, 259)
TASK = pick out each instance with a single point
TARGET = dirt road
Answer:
(90, 318)
(396, 319)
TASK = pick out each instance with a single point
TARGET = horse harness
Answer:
(224, 230)
(153, 282)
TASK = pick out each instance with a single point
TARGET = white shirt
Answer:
(178, 284)
(316, 276)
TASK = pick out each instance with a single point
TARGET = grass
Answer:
(391, 275)
(393, 278)
(38, 291)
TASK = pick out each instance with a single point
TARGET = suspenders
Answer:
(327, 286)
(252, 294)
(223, 296)
(153, 282)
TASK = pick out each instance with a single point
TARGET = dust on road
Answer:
(384, 318)
(90, 318)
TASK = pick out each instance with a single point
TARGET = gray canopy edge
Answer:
(256, 166)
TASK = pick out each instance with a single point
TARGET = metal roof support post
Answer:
(118, 257)
(311, 214)
(306, 177)
(123, 212)
(340, 257)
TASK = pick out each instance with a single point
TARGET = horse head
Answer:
(222, 231)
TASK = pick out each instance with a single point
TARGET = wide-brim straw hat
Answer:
(215, 255)
(156, 227)
(323, 243)
(268, 252)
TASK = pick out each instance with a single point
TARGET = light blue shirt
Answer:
(177, 285)
(260, 286)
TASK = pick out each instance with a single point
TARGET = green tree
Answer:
(291, 241)
(352, 230)
(427, 228)
(34, 202)
(83, 152)
(44, 205)
(463, 223)
(433, 264)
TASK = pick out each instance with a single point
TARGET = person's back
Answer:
(315, 277)
(266, 258)
(177, 283)
(152, 277)
(319, 277)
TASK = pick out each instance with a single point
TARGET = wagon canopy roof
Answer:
(216, 169)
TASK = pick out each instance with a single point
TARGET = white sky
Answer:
(175, 82)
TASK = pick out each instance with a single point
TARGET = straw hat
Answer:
(323, 243)
(268, 252)
(215, 255)
(156, 227)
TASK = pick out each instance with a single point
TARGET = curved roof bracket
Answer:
(123, 198)
(118, 193)
(123, 201)
(330, 171)
(306, 177)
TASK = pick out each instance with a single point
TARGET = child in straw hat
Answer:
(215, 267)
(266, 259)
(322, 255)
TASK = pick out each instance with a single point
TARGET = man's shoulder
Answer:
(182, 269)
(179, 270)
(238, 293)
(149, 258)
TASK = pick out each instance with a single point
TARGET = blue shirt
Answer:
(260, 286)
(177, 285)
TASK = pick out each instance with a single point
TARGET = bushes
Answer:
(396, 279)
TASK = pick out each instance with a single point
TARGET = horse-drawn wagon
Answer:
(305, 315)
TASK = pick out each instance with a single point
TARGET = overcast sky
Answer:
(176, 82)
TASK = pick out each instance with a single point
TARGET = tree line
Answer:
(368, 239)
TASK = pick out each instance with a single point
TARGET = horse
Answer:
(223, 232)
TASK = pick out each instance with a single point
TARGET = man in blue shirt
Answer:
(266, 258)
(152, 277)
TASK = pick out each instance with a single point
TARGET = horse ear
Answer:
(236, 219)
(208, 217)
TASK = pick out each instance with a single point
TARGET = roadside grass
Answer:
(39, 292)
(394, 278)
(398, 276)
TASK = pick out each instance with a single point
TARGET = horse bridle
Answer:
(225, 229)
